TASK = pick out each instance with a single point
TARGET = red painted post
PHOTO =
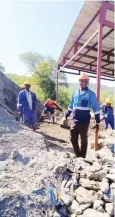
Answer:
(57, 87)
(99, 56)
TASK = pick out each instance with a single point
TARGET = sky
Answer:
(37, 26)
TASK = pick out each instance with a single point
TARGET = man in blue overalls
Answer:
(82, 101)
(27, 106)
(108, 113)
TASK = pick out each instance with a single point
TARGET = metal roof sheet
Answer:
(82, 60)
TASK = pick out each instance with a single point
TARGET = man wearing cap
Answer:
(27, 105)
(82, 101)
(108, 113)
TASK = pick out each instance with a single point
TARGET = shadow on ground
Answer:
(52, 138)
(51, 145)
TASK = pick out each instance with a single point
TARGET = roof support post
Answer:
(99, 57)
(57, 87)
(57, 84)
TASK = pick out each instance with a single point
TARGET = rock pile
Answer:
(8, 96)
(30, 166)
(87, 187)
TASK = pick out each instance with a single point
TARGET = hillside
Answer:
(105, 90)
(9, 91)
(75, 86)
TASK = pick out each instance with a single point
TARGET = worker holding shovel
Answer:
(108, 115)
(50, 107)
(82, 101)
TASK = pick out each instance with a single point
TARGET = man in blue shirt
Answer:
(108, 113)
(27, 105)
(82, 101)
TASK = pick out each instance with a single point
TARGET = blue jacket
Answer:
(23, 105)
(80, 106)
(108, 113)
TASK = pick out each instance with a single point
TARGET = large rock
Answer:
(110, 208)
(75, 208)
(97, 176)
(66, 198)
(90, 185)
(95, 167)
(104, 185)
(8, 96)
(97, 204)
(94, 213)
(106, 155)
(84, 196)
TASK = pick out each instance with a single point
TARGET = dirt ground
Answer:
(55, 134)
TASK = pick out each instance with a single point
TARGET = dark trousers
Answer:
(82, 130)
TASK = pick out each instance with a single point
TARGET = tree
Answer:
(44, 79)
(31, 60)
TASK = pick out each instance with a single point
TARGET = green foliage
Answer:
(64, 96)
(19, 80)
(47, 86)
(43, 78)
(32, 61)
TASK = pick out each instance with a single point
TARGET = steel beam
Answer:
(111, 78)
(92, 65)
(109, 6)
(93, 47)
(109, 24)
(109, 52)
(85, 70)
(91, 57)
(90, 39)
(83, 31)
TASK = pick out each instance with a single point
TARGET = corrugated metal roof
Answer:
(86, 14)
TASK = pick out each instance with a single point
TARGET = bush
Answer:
(64, 96)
